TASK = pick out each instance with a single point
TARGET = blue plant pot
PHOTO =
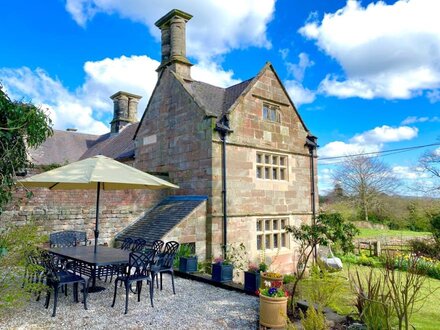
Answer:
(251, 281)
(188, 264)
(222, 273)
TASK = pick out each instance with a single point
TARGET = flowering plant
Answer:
(273, 292)
(221, 260)
(273, 275)
(253, 268)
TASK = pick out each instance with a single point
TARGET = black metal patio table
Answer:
(92, 260)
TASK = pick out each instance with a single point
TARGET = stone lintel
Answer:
(167, 18)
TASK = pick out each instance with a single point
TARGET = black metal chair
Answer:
(138, 245)
(126, 244)
(165, 262)
(62, 239)
(158, 245)
(56, 278)
(34, 275)
(137, 271)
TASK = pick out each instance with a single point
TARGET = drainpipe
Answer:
(222, 127)
(311, 144)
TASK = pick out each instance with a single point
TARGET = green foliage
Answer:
(263, 267)
(435, 226)
(426, 247)
(289, 278)
(20, 241)
(339, 231)
(22, 125)
(237, 256)
(323, 288)
(313, 320)
(185, 250)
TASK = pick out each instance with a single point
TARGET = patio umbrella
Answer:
(100, 173)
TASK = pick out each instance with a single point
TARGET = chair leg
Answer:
(46, 304)
(85, 289)
(151, 292)
(75, 292)
(127, 288)
(55, 300)
(172, 282)
(114, 296)
(138, 289)
(161, 281)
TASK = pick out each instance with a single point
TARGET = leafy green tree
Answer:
(338, 231)
(22, 126)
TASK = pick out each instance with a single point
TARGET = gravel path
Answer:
(195, 306)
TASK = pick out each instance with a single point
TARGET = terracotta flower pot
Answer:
(273, 311)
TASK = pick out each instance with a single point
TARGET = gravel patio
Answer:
(195, 306)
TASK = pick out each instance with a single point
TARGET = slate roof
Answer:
(215, 100)
(156, 223)
(63, 147)
(115, 146)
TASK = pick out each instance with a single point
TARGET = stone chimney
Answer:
(124, 110)
(173, 27)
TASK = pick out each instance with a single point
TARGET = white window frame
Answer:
(271, 166)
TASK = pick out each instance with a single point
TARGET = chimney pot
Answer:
(124, 110)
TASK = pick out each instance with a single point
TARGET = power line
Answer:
(390, 151)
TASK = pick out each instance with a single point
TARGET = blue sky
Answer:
(364, 75)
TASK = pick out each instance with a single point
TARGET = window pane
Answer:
(283, 240)
(283, 223)
(275, 224)
(267, 159)
(273, 115)
(259, 172)
(266, 173)
(275, 160)
(267, 242)
(267, 225)
(259, 242)
(282, 174)
(259, 158)
(275, 241)
(282, 161)
(265, 113)
(274, 174)
(259, 225)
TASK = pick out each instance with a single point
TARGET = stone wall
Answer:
(192, 230)
(76, 209)
(250, 198)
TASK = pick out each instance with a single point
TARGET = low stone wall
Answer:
(76, 210)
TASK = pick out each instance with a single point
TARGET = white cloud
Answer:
(240, 25)
(298, 70)
(388, 51)
(89, 108)
(414, 119)
(408, 173)
(434, 96)
(368, 141)
(385, 134)
(298, 93)
(325, 180)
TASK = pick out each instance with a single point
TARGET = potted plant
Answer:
(252, 277)
(222, 270)
(187, 259)
(273, 306)
(269, 278)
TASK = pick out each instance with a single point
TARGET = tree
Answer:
(22, 126)
(365, 179)
(429, 164)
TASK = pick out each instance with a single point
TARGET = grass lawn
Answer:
(426, 315)
(379, 233)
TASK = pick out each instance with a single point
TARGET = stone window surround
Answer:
(271, 112)
(271, 166)
(270, 231)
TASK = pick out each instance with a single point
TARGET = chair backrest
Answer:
(62, 239)
(139, 262)
(169, 254)
(157, 245)
(126, 244)
(138, 245)
(34, 270)
(80, 236)
(50, 264)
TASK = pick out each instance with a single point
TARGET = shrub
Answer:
(435, 227)
(313, 320)
(289, 278)
(427, 248)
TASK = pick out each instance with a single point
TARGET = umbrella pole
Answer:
(97, 216)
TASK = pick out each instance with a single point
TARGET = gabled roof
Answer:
(63, 147)
(214, 100)
(116, 146)
(156, 223)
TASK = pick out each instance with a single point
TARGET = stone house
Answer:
(242, 156)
